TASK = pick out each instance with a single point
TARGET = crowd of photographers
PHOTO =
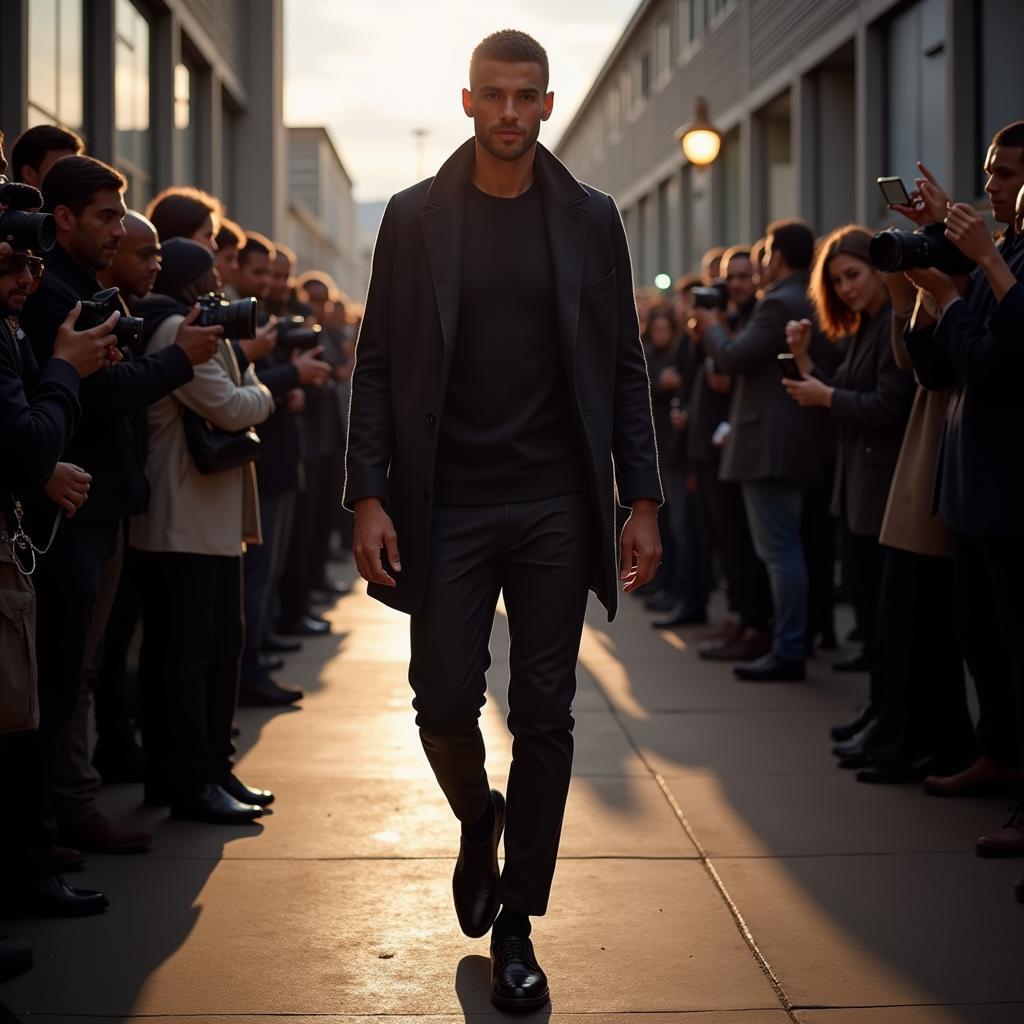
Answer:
(172, 415)
(852, 400)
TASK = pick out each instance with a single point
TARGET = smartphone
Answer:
(788, 367)
(895, 192)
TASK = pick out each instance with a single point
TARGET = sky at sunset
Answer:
(374, 71)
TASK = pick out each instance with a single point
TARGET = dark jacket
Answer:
(870, 407)
(105, 443)
(405, 346)
(772, 437)
(976, 350)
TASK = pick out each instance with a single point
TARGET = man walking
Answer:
(498, 377)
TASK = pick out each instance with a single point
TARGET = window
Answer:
(185, 120)
(614, 112)
(1001, 25)
(55, 62)
(131, 108)
(728, 168)
(717, 8)
(663, 52)
(690, 21)
(626, 87)
(776, 159)
(645, 73)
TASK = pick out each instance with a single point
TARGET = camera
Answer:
(895, 251)
(127, 330)
(715, 296)
(21, 230)
(293, 334)
(237, 318)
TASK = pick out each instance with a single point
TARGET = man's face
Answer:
(253, 276)
(15, 286)
(769, 263)
(739, 279)
(94, 237)
(280, 274)
(35, 176)
(226, 261)
(316, 295)
(683, 306)
(137, 262)
(1004, 168)
(507, 103)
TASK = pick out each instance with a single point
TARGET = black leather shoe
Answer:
(53, 897)
(215, 806)
(15, 957)
(274, 644)
(305, 626)
(681, 616)
(858, 662)
(858, 743)
(235, 787)
(846, 731)
(265, 693)
(475, 881)
(271, 662)
(332, 588)
(662, 601)
(517, 981)
(771, 669)
(895, 773)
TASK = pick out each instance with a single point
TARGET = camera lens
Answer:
(24, 231)
(292, 333)
(128, 331)
(237, 318)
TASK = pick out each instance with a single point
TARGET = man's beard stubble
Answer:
(483, 136)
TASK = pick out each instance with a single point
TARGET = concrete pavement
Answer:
(716, 867)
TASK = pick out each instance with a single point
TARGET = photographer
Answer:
(776, 450)
(191, 539)
(38, 148)
(972, 345)
(84, 196)
(183, 212)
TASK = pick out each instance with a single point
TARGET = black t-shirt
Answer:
(507, 430)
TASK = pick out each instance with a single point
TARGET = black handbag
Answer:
(214, 450)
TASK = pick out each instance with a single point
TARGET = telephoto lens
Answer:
(715, 296)
(238, 318)
(894, 251)
(293, 334)
(24, 231)
(127, 330)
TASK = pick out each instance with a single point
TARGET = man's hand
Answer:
(670, 379)
(199, 343)
(264, 342)
(966, 229)
(295, 400)
(929, 200)
(708, 318)
(68, 487)
(311, 369)
(809, 392)
(679, 418)
(87, 351)
(941, 287)
(639, 546)
(720, 383)
(374, 532)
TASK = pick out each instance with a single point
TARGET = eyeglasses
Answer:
(22, 260)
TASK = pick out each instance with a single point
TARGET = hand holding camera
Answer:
(798, 338)
(966, 229)
(90, 350)
(199, 343)
(312, 369)
(68, 487)
(262, 342)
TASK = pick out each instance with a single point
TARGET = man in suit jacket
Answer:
(776, 450)
(499, 383)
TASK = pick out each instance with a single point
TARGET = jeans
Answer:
(775, 512)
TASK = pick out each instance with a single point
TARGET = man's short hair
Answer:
(32, 145)
(280, 249)
(316, 277)
(180, 212)
(255, 243)
(795, 240)
(1011, 135)
(75, 181)
(511, 47)
(688, 282)
(735, 252)
(230, 235)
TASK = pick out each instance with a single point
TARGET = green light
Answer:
(662, 281)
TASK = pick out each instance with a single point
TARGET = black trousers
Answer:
(296, 579)
(188, 668)
(866, 562)
(331, 471)
(539, 555)
(918, 666)
(985, 649)
(819, 535)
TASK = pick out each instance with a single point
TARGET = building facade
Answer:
(172, 92)
(322, 221)
(814, 100)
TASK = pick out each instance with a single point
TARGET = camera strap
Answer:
(20, 544)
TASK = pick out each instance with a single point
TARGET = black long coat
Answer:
(407, 336)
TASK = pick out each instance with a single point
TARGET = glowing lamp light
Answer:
(662, 281)
(699, 139)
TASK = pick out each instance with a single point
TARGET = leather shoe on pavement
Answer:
(15, 957)
(215, 806)
(235, 787)
(274, 644)
(749, 646)
(332, 588)
(67, 859)
(1007, 841)
(265, 693)
(98, 834)
(858, 662)
(517, 981)
(846, 731)
(271, 662)
(857, 744)
(475, 881)
(983, 778)
(771, 669)
(53, 897)
(681, 616)
(305, 626)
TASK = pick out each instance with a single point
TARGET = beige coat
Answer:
(189, 511)
(909, 523)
